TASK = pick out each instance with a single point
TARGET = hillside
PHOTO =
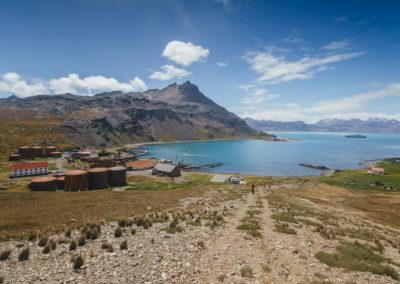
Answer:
(177, 112)
(373, 125)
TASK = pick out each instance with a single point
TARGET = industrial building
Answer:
(167, 170)
(141, 165)
(29, 169)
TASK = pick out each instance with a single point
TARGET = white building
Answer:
(29, 169)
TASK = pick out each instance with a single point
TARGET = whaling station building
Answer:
(29, 169)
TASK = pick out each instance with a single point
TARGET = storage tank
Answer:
(56, 154)
(43, 184)
(117, 176)
(76, 180)
(50, 149)
(14, 157)
(25, 151)
(98, 178)
(37, 152)
(60, 182)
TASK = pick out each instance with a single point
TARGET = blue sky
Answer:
(280, 60)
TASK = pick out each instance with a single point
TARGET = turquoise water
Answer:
(257, 157)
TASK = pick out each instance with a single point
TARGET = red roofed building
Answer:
(29, 169)
(141, 165)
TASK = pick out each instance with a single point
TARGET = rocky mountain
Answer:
(177, 112)
(373, 125)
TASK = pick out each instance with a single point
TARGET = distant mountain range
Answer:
(373, 125)
(176, 112)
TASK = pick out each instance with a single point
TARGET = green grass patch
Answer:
(284, 228)
(357, 257)
(196, 180)
(362, 180)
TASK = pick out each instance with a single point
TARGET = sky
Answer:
(279, 60)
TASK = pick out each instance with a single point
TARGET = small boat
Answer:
(355, 136)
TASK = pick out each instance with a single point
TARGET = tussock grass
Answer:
(72, 245)
(78, 262)
(81, 241)
(246, 272)
(173, 227)
(24, 255)
(46, 249)
(123, 245)
(284, 228)
(118, 232)
(43, 241)
(4, 255)
(201, 244)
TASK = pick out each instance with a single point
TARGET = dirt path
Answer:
(233, 250)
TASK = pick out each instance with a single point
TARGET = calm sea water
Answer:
(257, 157)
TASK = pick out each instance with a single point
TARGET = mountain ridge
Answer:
(176, 112)
(372, 125)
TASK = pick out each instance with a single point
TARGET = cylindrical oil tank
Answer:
(76, 180)
(25, 151)
(117, 176)
(60, 182)
(43, 184)
(14, 157)
(56, 154)
(50, 149)
(98, 178)
(37, 152)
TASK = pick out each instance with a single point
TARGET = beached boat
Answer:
(355, 136)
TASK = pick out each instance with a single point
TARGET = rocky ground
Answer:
(229, 236)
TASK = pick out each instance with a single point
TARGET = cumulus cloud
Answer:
(222, 64)
(343, 108)
(184, 53)
(12, 83)
(334, 45)
(276, 69)
(169, 72)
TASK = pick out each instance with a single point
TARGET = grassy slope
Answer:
(23, 130)
(361, 180)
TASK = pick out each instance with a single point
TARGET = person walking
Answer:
(252, 188)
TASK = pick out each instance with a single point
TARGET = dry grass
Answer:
(24, 212)
(380, 207)
(18, 129)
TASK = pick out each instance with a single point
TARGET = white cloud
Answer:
(356, 102)
(12, 83)
(255, 95)
(169, 72)
(184, 53)
(343, 108)
(222, 64)
(334, 45)
(295, 37)
(276, 69)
